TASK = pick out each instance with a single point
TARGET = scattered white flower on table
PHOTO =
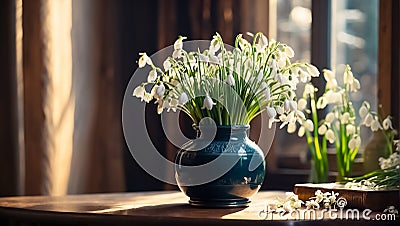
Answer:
(273, 205)
(312, 204)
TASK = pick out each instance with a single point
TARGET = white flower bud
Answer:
(301, 131)
(293, 105)
(350, 129)
(301, 104)
(354, 143)
(363, 111)
(286, 105)
(329, 75)
(330, 117)
(143, 60)
(178, 43)
(330, 136)
(322, 102)
(291, 128)
(312, 70)
(322, 129)
(152, 76)
(345, 117)
(167, 65)
(279, 110)
(309, 125)
(263, 41)
(271, 112)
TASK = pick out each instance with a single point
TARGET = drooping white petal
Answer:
(375, 125)
(387, 123)
(230, 80)
(309, 125)
(330, 117)
(330, 136)
(289, 51)
(203, 58)
(143, 60)
(301, 104)
(178, 43)
(368, 119)
(322, 129)
(152, 76)
(183, 99)
(312, 70)
(214, 59)
(167, 65)
(139, 92)
(363, 111)
(208, 103)
(329, 75)
(160, 90)
(350, 129)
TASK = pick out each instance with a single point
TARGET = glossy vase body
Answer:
(234, 150)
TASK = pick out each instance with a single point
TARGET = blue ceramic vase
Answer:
(235, 173)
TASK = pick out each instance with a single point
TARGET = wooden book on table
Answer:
(377, 200)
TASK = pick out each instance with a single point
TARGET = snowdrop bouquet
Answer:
(229, 86)
(339, 126)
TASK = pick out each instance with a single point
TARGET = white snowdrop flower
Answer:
(139, 92)
(143, 60)
(322, 129)
(271, 112)
(297, 204)
(331, 84)
(267, 93)
(203, 58)
(274, 68)
(309, 125)
(289, 51)
(304, 76)
(177, 53)
(322, 102)
(174, 104)
(329, 117)
(308, 90)
(152, 76)
(160, 90)
(214, 45)
(273, 205)
(375, 125)
(286, 105)
(330, 136)
(291, 128)
(279, 110)
(208, 103)
(279, 78)
(312, 204)
(263, 41)
(312, 70)
(301, 104)
(214, 59)
(387, 123)
(348, 77)
(350, 129)
(293, 105)
(345, 117)
(355, 86)
(363, 111)
(179, 43)
(230, 80)
(354, 142)
(301, 131)
(329, 75)
(167, 65)
(368, 119)
(319, 196)
(183, 99)
(287, 207)
(333, 97)
(147, 97)
(300, 115)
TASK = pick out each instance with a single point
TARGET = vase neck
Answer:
(226, 133)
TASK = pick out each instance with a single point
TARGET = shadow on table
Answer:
(178, 210)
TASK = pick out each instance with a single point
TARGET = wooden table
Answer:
(145, 208)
